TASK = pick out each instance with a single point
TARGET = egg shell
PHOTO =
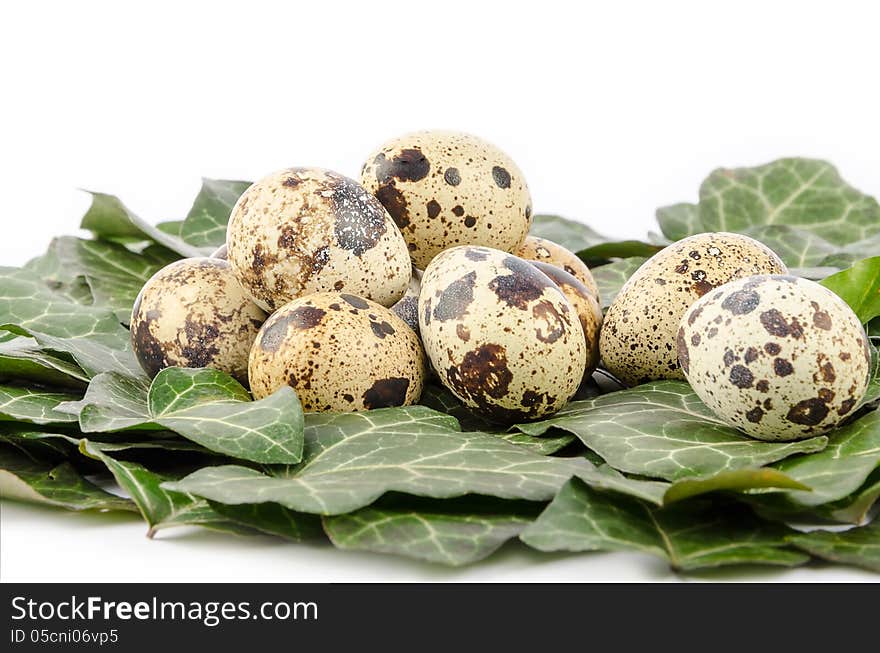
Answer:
(546, 251)
(501, 335)
(407, 309)
(194, 313)
(584, 303)
(340, 352)
(778, 357)
(306, 230)
(445, 189)
(637, 343)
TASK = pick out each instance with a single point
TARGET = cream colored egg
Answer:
(585, 304)
(546, 251)
(194, 313)
(637, 343)
(340, 352)
(445, 189)
(500, 334)
(407, 309)
(306, 230)
(778, 357)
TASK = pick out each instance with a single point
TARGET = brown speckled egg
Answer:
(778, 357)
(407, 309)
(637, 343)
(447, 188)
(194, 313)
(585, 303)
(306, 230)
(546, 251)
(500, 334)
(340, 352)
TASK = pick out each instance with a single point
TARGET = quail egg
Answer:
(194, 313)
(340, 352)
(584, 303)
(778, 357)
(637, 343)
(447, 188)
(546, 251)
(407, 309)
(306, 230)
(500, 334)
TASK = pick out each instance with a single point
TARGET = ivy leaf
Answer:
(205, 224)
(611, 277)
(30, 305)
(352, 459)
(452, 532)
(663, 430)
(545, 445)
(854, 508)
(160, 508)
(738, 480)
(574, 236)
(22, 359)
(798, 248)
(679, 220)
(109, 218)
(599, 254)
(54, 275)
(26, 478)
(95, 357)
(203, 405)
(114, 273)
(34, 406)
(272, 519)
(852, 454)
(691, 535)
(803, 193)
(858, 546)
(859, 286)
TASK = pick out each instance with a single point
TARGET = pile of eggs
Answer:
(355, 293)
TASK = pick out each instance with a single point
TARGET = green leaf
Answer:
(109, 218)
(25, 478)
(272, 519)
(352, 459)
(663, 430)
(114, 273)
(852, 454)
(203, 405)
(574, 236)
(859, 286)
(803, 193)
(679, 220)
(598, 254)
(738, 480)
(205, 224)
(611, 277)
(798, 248)
(854, 509)
(691, 535)
(545, 445)
(34, 406)
(872, 393)
(857, 546)
(160, 508)
(22, 359)
(95, 357)
(29, 304)
(452, 532)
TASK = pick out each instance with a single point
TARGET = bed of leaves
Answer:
(647, 469)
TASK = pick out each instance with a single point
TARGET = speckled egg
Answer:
(340, 352)
(407, 309)
(306, 230)
(194, 313)
(500, 334)
(447, 188)
(637, 343)
(584, 303)
(778, 357)
(546, 251)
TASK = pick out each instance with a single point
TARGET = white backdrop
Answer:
(610, 109)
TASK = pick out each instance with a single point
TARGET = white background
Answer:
(611, 110)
